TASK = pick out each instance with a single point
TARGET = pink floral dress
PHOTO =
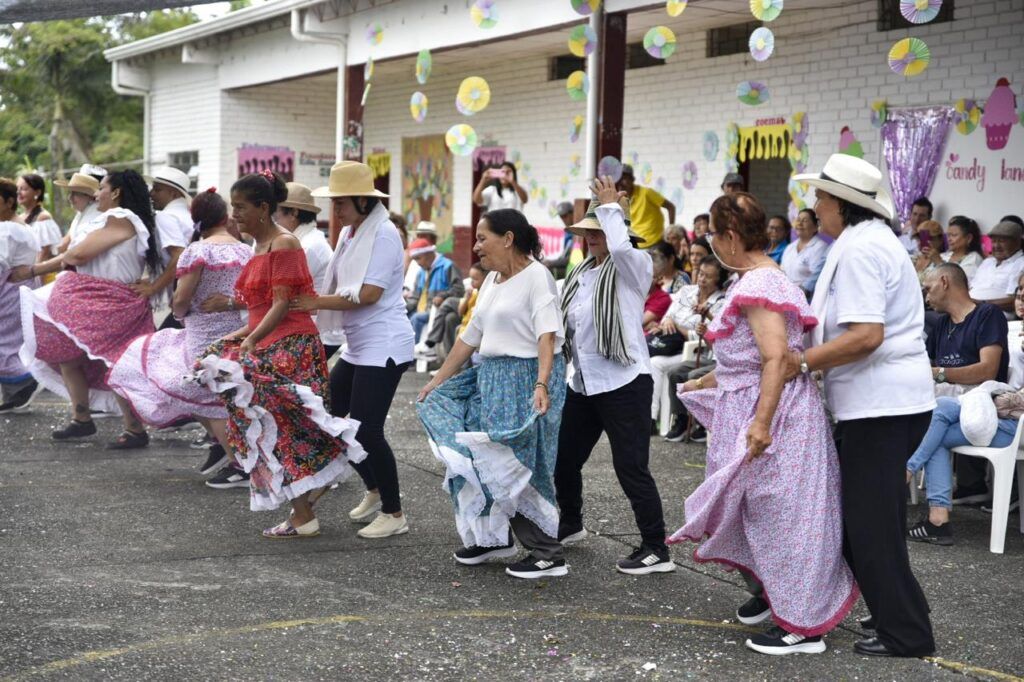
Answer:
(777, 518)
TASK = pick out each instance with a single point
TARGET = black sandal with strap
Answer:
(129, 440)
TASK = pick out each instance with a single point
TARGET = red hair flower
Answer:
(211, 190)
(268, 174)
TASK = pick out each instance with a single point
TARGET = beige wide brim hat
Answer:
(349, 179)
(86, 184)
(590, 222)
(299, 197)
(854, 180)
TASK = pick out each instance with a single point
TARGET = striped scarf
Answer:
(611, 340)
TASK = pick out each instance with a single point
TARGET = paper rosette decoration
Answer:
(375, 34)
(646, 173)
(582, 40)
(762, 43)
(577, 85)
(424, 64)
(575, 127)
(766, 10)
(634, 158)
(660, 42)
(659, 185)
(474, 96)
(689, 175)
(418, 106)
(575, 163)
(909, 57)
(368, 69)
(461, 139)
(879, 112)
(675, 7)
(967, 115)
(484, 13)
(677, 198)
(563, 186)
(801, 127)
(752, 93)
(920, 11)
(710, 145)
(611, 166)
(585, 7)
(366, 95)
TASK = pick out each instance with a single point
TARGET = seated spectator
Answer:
(1015, 342)
(438, 281)
(803, 259)
(699, 250)
(453, 315)
(685, 320)
(963, 237)
(996, 279)
(424, 230)
(559, 265)
(657, 303)
(779, 231)
(920, 211)
(668, 271)
(1013, 219)
(701, 226)
(931, 244)
(678, 238)
(477, 273)
(968, 343)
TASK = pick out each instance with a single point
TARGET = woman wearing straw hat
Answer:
(610, 385)
(81, 189)
(878, 384)
(361, 299)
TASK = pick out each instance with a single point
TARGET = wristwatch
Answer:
(804, 368)
(940, 378)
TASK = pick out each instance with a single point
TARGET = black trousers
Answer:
(170, 322)
(365, 393)
(625, 415)
(873, 456)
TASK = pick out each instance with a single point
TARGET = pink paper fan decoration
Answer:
(920, 11)
(689, 175)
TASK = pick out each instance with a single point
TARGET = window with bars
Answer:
(188, 163)
(890, 17)
(562, 66)
(727, 40)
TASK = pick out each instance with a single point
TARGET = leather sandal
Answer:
(286, 531)
(129, 440)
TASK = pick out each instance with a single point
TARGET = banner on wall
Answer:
(979, 182)
(253, 158)
(427, 185)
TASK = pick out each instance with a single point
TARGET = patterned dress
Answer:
(279, 426)
(777, 518)
(152, 372)
(18, 247)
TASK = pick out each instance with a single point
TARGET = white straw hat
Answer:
(173, 178)
(854, 180)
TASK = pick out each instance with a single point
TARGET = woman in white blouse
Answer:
(499, 188)
(802, 259)
(495, 425)
(963, 237)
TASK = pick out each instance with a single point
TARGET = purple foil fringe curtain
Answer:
(913, 140)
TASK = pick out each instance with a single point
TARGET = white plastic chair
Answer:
(665, 411)
(1003, 461)
(422, 364)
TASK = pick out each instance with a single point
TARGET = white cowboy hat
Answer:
(300, 197)
(349, 179)
(854, 180)
(173, 178)
(81, 183)
(426, 227)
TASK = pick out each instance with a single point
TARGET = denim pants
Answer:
(419, 321)
(933, 453)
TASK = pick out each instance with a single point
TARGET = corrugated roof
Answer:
(45, 10)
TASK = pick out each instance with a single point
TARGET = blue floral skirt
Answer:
(499, 454)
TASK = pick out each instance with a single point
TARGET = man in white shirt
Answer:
(996, 279)
(920, 212)
(175, 228)
(297, 214)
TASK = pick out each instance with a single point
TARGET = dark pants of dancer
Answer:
(625, 415)
(540, 544)
(365, 393)
(680, 374)
(171, 322)
(329, 351)
(873, 456)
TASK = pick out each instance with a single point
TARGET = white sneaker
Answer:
(385, 525)
(367, 508)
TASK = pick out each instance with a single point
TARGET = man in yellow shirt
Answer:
(645, 209)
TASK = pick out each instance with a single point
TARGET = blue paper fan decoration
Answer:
(710, 145)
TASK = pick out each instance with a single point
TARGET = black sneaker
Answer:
(925, 531)
(75, 429)
(202, 441)
(22, 400)
(678, 431)
(570, 536)
(472, 556)
(229, 477)
(755, 610)
(867, 623)
(216, 458)
(778, 642)
(645, 560)
(971, 497)
(532, 569)
(698, 435)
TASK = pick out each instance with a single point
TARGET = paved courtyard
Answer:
(124, 566)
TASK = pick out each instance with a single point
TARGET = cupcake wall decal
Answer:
(1000, 115)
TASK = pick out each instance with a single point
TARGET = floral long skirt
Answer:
(279, 425)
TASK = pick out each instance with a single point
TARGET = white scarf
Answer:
(819, 303)
(346, 270)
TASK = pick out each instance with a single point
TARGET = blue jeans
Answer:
(943, 435)
(419, 321)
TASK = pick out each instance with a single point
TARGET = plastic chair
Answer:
(421, 363)
(1003, 461)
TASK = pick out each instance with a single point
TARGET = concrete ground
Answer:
(124, 566)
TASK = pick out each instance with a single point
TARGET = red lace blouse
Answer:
(282, 272)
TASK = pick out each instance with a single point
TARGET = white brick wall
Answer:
(185, 116)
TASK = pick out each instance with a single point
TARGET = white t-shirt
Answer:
(510, 316)
(799, 266)
(318, 252)
(970, 263)
(82, 219)
(124, 261)
(18, 247)
(875, 282)
(174, 226)
(993, 280)
(379, 332)
(507, 199)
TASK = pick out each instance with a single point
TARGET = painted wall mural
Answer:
(427, 185)
(253, 158)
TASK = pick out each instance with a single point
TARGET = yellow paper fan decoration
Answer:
(461, 139)
(474, 96)
(675, 7)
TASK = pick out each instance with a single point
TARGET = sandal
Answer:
(286, 531)
(129, 440)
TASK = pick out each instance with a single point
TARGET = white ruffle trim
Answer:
(33, 304)
(221, 375)
(495, 466)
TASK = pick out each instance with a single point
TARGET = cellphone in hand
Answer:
(496, 173)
